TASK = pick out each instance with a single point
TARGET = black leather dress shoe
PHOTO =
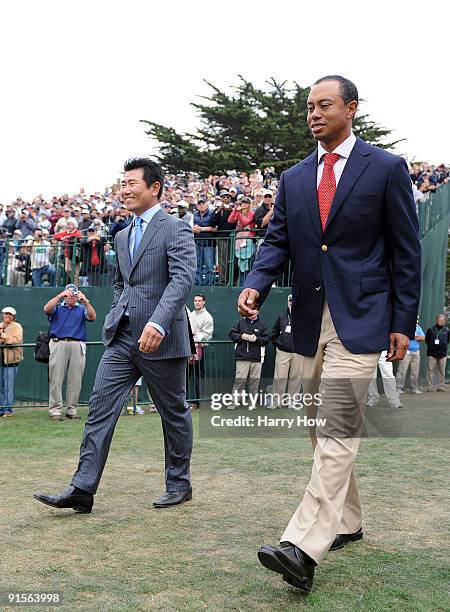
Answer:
(289, 561)
(344, 538)
(173, 498)
(70, 498)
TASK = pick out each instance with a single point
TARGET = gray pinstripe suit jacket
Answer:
(156, 284)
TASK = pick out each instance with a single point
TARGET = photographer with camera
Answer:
(122, 220)
(243, 216)
(67, 348)
(221, 221)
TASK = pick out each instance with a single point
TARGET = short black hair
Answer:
(347, 88)
(152, 171)
(200, 295)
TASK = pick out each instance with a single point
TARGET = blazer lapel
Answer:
(123, 252)
(148, 236)
(356, 164)
(308, 186)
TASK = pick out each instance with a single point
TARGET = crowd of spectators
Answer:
(71, 238)
(426, 179)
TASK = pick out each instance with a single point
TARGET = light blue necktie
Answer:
(137, 234)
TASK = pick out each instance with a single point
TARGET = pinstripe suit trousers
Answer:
(121, 366)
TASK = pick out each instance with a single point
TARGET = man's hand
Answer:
(150, 339)
(245, 337)
(398, 345)
(247, 302)
(252, 338)
(82, 298)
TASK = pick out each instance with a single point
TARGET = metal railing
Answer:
(31, 263)
(221, 261)
(226, 260)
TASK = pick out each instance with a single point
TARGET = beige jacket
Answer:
(14, 335)
(202, 325)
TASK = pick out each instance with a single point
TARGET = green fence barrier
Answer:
(434, 221)
(31, 384)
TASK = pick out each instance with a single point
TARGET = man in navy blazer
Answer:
(345, 217)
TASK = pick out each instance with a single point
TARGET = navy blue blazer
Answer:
(366, 261)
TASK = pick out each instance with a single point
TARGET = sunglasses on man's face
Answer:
(268, 196)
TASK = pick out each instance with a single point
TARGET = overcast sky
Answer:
(77, 77)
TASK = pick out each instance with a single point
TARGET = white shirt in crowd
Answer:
(202, 325)
(40, 253)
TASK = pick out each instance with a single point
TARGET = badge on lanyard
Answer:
(436, 341)
(287, 329)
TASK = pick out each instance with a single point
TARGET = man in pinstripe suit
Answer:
(146, 333)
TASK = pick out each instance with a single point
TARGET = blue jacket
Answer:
(366, 261)
(205, 220)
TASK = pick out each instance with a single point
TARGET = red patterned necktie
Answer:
(327, 187)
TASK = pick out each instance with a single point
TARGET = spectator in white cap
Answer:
(43, 222)
(100, 227)
(233, 193)
(264, 212)
(183, 212)
(11, 332)
(86, 220)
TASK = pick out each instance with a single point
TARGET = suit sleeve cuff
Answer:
(158, 327)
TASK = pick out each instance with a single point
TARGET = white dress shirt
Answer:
(344, 150)
(146, 217)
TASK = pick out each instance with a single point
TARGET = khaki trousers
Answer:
(411, 361)
(250, 370)
(331, 503)
(434, 364)
(286, 378)
(66, 357)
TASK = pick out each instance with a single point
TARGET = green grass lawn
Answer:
(202, 555)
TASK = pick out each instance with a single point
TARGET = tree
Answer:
(249, 128)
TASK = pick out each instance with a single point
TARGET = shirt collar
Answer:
(148, 214)
(344, 149)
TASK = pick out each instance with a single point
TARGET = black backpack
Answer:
(41, 348)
